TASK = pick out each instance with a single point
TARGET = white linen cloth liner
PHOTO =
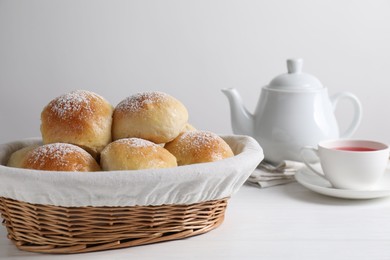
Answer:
(179, 185)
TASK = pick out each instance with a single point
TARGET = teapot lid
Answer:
(295, 79)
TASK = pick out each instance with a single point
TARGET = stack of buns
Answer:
(82, 131)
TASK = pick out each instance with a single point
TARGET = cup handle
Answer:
(357, 111)
(315, 151)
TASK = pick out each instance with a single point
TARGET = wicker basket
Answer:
(59, 212)
(54, 229)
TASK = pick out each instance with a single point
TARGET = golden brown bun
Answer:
(135, 154)
(79, 117)
(60, 157)
(154, 116)
(17, 158)
(197, 147)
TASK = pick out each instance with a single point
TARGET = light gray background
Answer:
(190, 49)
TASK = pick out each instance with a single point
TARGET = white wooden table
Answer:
(282, 222)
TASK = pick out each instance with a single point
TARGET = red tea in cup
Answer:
(350, 164)
(355, 149)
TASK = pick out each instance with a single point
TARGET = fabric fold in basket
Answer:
(179, 185)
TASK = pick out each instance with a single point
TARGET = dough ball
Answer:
(135, 154)
(80, 117)
(60, 157)
(198, 147)
(154, 116)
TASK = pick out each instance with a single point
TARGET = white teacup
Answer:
(349, 164)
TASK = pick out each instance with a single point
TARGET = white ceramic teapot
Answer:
(294, 110)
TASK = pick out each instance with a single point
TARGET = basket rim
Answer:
(198, 182)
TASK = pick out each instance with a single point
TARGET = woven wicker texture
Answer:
(55, 229)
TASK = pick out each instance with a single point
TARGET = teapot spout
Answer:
(241, 119)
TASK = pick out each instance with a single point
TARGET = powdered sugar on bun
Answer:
(79, 117)
(140, 101)
(136, 142)
(73, 104)
(135, 154)
(198, 141)
(60, 157)
(154, 116)
(199, 146)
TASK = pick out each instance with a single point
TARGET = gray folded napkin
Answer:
(268, 175)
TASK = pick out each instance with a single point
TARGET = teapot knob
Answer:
(294, 65)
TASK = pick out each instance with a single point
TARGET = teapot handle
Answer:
(357, 107)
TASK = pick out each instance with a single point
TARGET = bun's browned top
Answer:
(139, 101)
(198, 146)
(135, 154)
(60, 157)
(154, 116)
(79, 117)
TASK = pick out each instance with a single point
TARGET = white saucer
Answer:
(313, 182)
